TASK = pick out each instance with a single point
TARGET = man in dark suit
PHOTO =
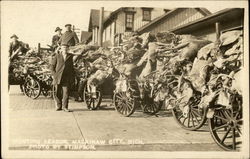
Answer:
(56, 38)
(63, 75)
(69, 37)
(17, 47)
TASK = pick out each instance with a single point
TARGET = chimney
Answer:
(100, 26)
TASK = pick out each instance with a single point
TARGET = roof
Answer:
(112, 15)
(94, 18)
(203, 11)
(85, 36)
(229, 14)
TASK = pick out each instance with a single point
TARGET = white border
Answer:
(135, 154)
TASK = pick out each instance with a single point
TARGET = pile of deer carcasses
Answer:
(31, 62)
(225, 69)
(179, 66)
(111, 62)
(205, 70)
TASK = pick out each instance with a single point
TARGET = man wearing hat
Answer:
(17, 47)
(69, 37)
(56, 38)
(63, 75)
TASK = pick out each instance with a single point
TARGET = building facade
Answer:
(141, 20)
(94, 24)
(174, 18)
(228, 19)
(126, 19)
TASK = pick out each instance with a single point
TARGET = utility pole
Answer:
(217, 30)
(39, 48)
(100, 26)
(217, 43)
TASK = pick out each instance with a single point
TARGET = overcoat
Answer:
(62, 70)
(69, 38)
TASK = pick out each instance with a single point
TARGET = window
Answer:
(146, 14)
(129, 22)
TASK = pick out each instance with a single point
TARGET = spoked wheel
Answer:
(32, 88)
(124, 103)
(226, 128)
(22, 88)
(45, 92)
(51, 91)
(193, 118)
(92, 99)
(149, 106)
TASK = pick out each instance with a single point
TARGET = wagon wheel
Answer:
(226, 127)
(124, 103)
(195, 117)
(51, 91)
(22, 88)
(149, 106)
(45, 92)
(50, 88)
(32, 88)
(92, 101)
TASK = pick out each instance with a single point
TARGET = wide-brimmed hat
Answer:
(57, 28)
(14, 36)
(68, 25)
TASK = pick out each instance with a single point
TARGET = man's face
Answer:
(68, 28)
(64, 49)
(59, 31)
(14, 39)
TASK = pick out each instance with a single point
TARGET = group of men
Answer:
(61, 65)
(69, 37)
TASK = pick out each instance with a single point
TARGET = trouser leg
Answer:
(65, 99)
(58, 96)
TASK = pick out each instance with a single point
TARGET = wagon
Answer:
(16, 75)
(125, 96)
(37, 82)
(188, 115)
(226, 124)
(224, 121)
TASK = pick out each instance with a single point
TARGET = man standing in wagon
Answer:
(56, 38)
(69, 37)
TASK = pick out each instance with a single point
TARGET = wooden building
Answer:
(228, 19)
(141, 20)
(174, 18)
(86, 37)
(125, 19)
(94, 24)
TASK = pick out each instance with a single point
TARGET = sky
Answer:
(35, 21)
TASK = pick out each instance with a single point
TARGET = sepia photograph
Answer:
(124, 79)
